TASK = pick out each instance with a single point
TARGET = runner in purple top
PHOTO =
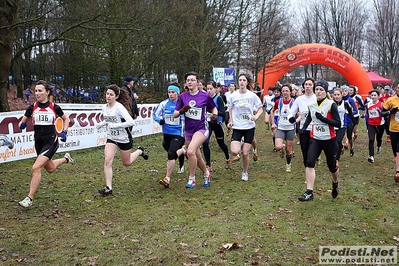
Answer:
(193, 104)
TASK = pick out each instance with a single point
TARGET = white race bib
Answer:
(170, 120)
(194, 113)
(43, 118)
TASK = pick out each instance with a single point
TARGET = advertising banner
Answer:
(224, 75)
(82, 132)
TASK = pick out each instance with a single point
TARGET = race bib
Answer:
(194, 113)
(170, 120)
(373, 113)
(321, 130)
(397, 117)
(43, 118)
(245, 116)
(115, 132)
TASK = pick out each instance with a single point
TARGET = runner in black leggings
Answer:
(325, 117)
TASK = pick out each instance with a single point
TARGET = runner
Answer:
(117, 120)
(325, 116)
(284, 129)
(172, 129)
(299, 112)
(242, 105)
(43, 114)
(217, 127)
(193, 104)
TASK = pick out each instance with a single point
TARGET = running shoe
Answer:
(255, 157)
(288, 168)
(144, 153)
(378, 150)
(236, 158)
(228, 164)
(26, 202)
(191, 182)
(306, 197)
(181, 170)
(388, 139)
(371, 159)
(274, 150)
(396, 177)
(334, 191)
(164, 182)
(352, 152)
(207, 178)
(244, 177)
(105, 191)
(6, 141)
(69, 159)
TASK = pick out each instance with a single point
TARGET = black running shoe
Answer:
(105, 191)
(352, 152)
(334, 192)
(144, 153)
(306, 197)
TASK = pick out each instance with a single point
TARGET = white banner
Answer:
(82, 132)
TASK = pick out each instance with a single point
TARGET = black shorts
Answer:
(248, 135)
(122, 146)
(46, 146)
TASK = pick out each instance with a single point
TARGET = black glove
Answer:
(214, 118)
(292, 120)
(347, 106)
(319, 116)
(394, 110)
(184, 109)
(302, 131)
(161, 122)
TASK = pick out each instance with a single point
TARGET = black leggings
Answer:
(394, 142)
(304, 142)
(340, 136)
(171, 143)
(349, 130)
(330, 150)
(375, 132)
(219, 134)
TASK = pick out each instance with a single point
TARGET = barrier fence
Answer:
(82, 132)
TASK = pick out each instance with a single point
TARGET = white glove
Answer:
(102, 124)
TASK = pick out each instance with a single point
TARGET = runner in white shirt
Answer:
(117, 120)
(300, 107)
(268, 103)
(285, 130)
(242, 104)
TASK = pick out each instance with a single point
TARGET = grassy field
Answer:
(145, 224)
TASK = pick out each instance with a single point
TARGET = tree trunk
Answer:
(7, 32)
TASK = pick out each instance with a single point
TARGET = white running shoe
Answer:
(244, 177)
(69, 159)
(181, 170)
(26, 202)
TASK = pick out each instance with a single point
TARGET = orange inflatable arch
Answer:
(315, 53)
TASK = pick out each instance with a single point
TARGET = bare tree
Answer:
(384, 37)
